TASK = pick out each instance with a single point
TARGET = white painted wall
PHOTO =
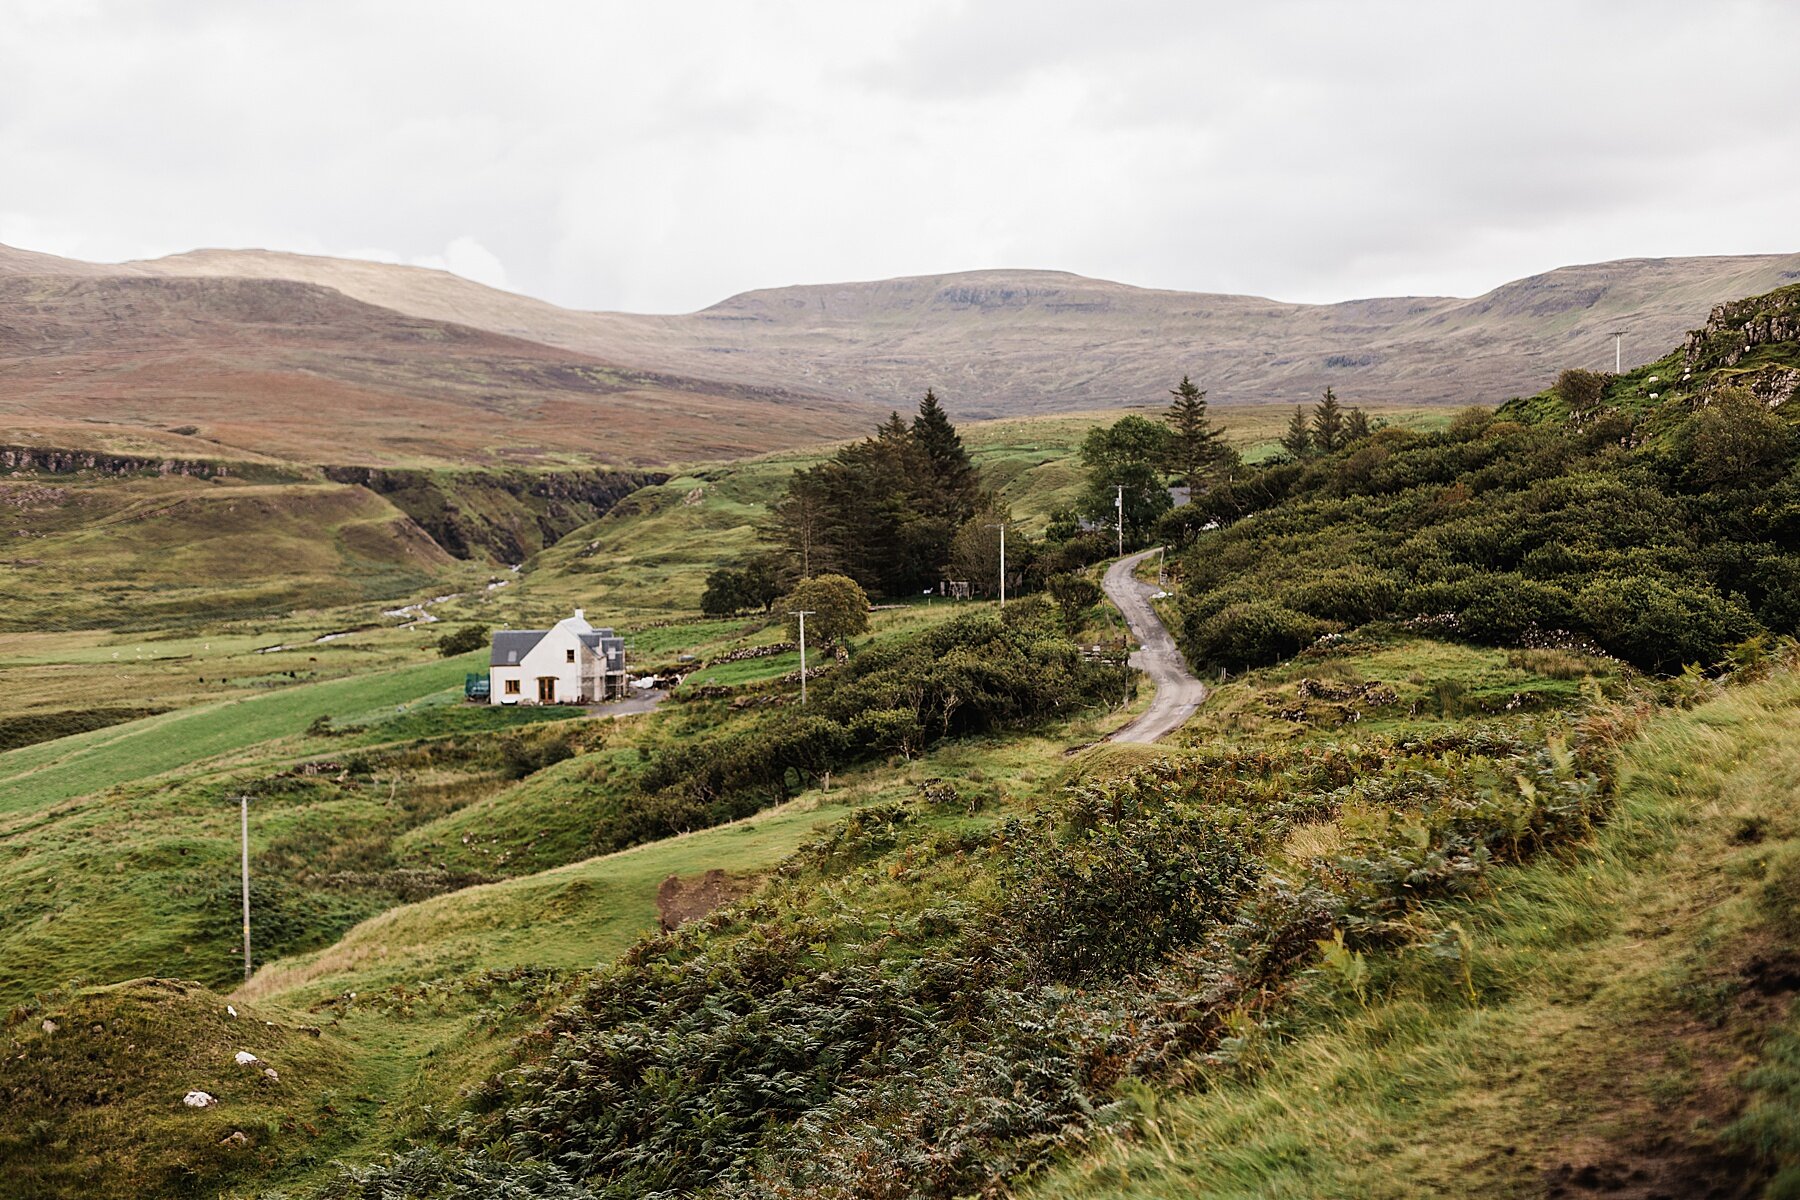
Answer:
(549, 657)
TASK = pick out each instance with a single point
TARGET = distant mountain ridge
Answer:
(813, 360)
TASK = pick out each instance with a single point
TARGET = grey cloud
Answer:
(611, 155)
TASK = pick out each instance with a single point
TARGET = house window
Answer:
(571, 656)
(512, 687)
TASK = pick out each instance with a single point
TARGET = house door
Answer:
(546, 689)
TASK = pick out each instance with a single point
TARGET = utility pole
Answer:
(1618, 338)
(802, 613)
(1120, 505)
(1002, 529)
(244, 824)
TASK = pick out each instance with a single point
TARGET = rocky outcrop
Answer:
(1752, 344)
(1734, 330)
(48, 460)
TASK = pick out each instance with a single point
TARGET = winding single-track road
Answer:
(1178, 693)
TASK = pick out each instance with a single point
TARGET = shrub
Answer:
(1074, 595)
(1178, 527)
(529, 751)
(1661, 626)
(1497, 609)
(1121, 892)
(1252, 634)
(732, 590)
(1072, 554)
(462, 641)
(1736, 442)
(1351, 595)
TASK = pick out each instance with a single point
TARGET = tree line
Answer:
(904, 509)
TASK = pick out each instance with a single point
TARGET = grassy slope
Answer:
(419, 1045)
(417, 1037)
(567, 917)
(108, 1068)
(93, 553)
(43, 675)
(75, 766)
(1622, 1000)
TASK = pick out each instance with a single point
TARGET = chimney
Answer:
(580, 615)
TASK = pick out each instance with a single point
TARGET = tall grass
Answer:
(1609, 1013)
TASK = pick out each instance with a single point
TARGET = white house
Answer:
(573, 663)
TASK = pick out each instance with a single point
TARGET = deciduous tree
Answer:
(1580, 390)
(837, 608)
(1128, 454)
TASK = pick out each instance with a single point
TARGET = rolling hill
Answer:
(1010, 342)
(269, 368)
(323, 359)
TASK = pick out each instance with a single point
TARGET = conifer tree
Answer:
(955, 487)
(801, 522)
(1196, 441)
(1328, 423)
(1356, 426)
(893, 429)
(1297, 441)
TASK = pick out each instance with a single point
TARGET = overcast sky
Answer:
(661, 157)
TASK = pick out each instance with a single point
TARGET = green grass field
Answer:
(43, 774)
(575, 916)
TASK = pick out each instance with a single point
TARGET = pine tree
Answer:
(893, 429)
(1298, 438)
(1196, 440)
(954, 487)
(1328, 423)
(1356, 426)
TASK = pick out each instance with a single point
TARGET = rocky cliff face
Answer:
(50, 460)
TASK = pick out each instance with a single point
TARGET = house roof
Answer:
(511, 645)
(604, 644)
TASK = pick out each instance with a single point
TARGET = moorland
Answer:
(1475, 874)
